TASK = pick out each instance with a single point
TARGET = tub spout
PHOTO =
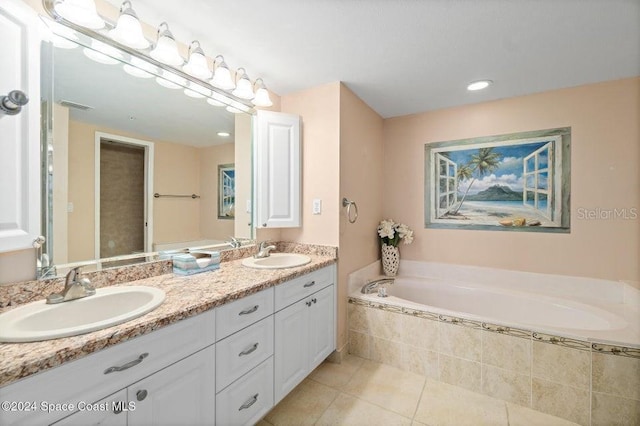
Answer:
(373, 285)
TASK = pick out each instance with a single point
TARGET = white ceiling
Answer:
(409, 56)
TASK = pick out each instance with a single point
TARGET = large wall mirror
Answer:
(133, 161)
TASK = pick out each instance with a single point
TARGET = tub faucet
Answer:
(264, 249)
(234, 242)
(74, 288)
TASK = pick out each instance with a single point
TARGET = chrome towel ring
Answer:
(346, 203)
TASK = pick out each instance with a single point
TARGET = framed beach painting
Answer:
(226, 191)
(514, 182)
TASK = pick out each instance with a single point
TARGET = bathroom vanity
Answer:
(223, 348)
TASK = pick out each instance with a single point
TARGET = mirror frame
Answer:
(244, 106)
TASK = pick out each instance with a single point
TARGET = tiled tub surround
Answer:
(185, 296)
(580, 379)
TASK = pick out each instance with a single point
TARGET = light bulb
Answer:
(166, 49)
(80, 12)
(128, 30)
(197, 65)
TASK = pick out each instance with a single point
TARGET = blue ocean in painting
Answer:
(542, 204)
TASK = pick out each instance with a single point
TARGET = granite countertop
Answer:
(185, 296)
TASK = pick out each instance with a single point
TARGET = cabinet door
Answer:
(183, 393)
(321, 334)
(110, 411)
(291, 348)
(19, 134)
(277, 173)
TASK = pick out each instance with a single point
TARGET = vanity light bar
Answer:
(55, 11)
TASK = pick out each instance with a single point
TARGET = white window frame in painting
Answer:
(448, 189)
(535, 173)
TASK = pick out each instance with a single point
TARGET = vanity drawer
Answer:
(242, 351)
(248, 399)
(301, 287)
(85, 379)
(237, 315)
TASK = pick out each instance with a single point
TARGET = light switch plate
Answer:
(317, 206)
(248, 206)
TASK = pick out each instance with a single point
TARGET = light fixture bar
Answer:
(239, 103)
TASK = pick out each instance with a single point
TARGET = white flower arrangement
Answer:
(391, 233)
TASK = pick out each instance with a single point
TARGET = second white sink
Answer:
(277, 261)
(109, 306)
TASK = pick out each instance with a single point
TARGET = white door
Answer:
(182, 394)
(19, 134)
(277, 170)
(321, 334)
(291, 352)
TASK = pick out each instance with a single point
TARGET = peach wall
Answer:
(361, 166)
(604, 174)
(210, 158)
(319, 108)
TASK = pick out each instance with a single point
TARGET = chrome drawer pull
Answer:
(248, 351)
(249, 402)
(249, 311)
(127, 365)
(311, 284)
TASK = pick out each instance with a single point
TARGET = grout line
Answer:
(506, 409)
(413, 418)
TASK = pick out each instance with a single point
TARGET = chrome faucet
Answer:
(234, 242)
(264, 249)
(74, 288)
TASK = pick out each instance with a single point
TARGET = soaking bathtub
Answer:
(579, 308)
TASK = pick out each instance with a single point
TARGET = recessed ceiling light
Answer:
(224, 134)
(479, 85)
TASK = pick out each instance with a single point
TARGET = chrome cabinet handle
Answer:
(308, 303)
(314, 300)
(311, 284)
(141, 394)
(249, 402)
(249, 311)
(127, 365)
(248, 351)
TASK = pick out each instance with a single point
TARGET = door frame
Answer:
(148, 147)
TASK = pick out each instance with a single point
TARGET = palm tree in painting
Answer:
(482, 163)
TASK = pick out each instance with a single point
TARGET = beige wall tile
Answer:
(617, 375)
(560, 400)
(359, 344)
(303, 406)
(386, 352)
(523, 416)
(420, 361)
(386, 386)
(507, 352)
(613, 410)
(420, 332)
(447, 405)
(460, 372)
(347, 410)
(506, 385)
(562, 365)
(461, 342)
(358, 320)
(383, 324)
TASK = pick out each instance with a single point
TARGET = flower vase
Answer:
(390, 260)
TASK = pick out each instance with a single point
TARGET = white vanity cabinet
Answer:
(20, 133)
(304, 329)
(157, 359)
(277, 155)
(182, 393)
(244, 359)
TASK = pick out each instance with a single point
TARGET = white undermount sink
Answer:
(277, 261)
(38, 321)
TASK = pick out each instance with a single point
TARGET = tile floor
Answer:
(363, 392)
